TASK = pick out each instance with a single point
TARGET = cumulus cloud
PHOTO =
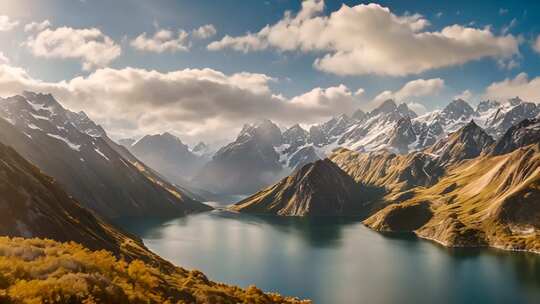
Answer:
(198, 103)
(204, 32)
(520, 86)
(370, 39)
(6, 24)
(162, 41)
(412, 89)
(90, 46)
(37, 26)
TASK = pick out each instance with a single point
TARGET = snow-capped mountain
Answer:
(391, 127)
(496, 117)
(77, 152)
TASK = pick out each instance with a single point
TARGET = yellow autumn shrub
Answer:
(44, 271)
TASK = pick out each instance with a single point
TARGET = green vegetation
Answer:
(45, 271)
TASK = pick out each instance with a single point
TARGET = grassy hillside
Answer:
(489, 201)
(45, 271)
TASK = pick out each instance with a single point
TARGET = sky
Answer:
(201, 69)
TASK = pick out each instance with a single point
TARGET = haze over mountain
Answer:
(168, 155)
(100, 174)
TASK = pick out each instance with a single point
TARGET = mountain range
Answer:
(262, 153)
(100, 174)
(465, 190)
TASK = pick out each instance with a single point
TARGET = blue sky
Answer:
(293, 71)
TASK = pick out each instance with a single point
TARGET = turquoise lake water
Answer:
(337, 260)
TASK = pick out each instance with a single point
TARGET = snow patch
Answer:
(101, 153)
(66, 141)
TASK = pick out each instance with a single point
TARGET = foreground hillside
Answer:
(37, 271)
(44, 271)
(34, 205)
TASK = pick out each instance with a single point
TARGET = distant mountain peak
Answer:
(466, 143)
(387, 106)
(457, 110)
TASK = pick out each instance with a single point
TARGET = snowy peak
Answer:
(457, 110)
(264, 130)
(295, 136)
(388, 106)
(466, 143)
(487, 105)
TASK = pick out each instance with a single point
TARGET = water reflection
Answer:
(338, 260)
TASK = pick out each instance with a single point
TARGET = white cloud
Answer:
(197, 103)
(520, 86)
(407, 93)
(37, 26)
(370, 39)
(91, 46)
(3, 58)
(418, 108)
(503, 11)
(204, 32)
(6, 24)
(536, 44)
(466, 95)
(413, 89)
(247, 43)
(162, 41)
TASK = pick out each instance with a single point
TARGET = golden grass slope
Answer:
(488, 201)
(44, 271)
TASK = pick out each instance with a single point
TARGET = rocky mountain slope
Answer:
(103, 176)
(487, 201)
(34, 205)
(317, 189)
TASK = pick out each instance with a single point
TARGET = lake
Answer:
(337, 260)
